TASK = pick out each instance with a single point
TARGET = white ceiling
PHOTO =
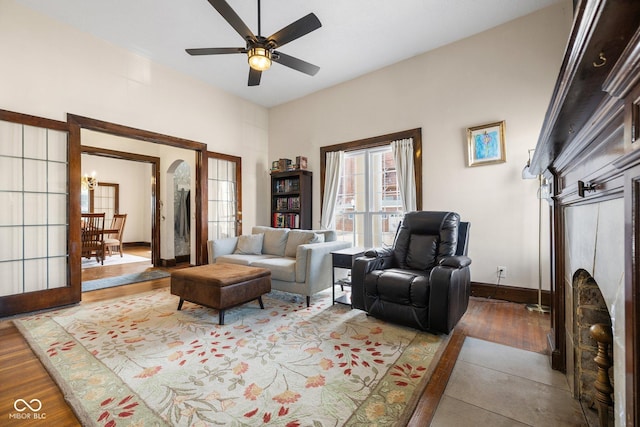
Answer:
(356, 37)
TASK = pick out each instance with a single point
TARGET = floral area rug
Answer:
(138, 361)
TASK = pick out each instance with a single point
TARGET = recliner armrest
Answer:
(373, 259)
(379, 252)
(449, 293)
(383, 257)
(459, 261)
(361, 267)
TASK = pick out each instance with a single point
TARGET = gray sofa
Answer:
(299, 260)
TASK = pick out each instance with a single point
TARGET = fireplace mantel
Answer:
(589, 148)
(601, 31)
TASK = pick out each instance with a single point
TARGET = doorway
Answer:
(137, 177)
(179, 195)
(65, 172)
(122, 189)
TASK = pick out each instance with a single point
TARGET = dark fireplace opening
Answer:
(590, 309)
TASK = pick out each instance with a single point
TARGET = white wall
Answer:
(506, 73)
(50, 69)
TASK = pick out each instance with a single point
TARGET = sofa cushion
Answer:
(275, 239)
(250, 244)
(283, 269)
(242, 259)
(297, 238)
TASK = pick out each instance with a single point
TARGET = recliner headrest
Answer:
(430, 222)
(418, 253)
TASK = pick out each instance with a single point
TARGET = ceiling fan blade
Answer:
(295, 63)
(295, 30)
(215, 50)
(254, 77)
(233, 19)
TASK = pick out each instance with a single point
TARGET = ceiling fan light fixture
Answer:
(262, 51)
(259, 58)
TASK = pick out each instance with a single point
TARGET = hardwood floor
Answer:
(22, 376)
(120, 269)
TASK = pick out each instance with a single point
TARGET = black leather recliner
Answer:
(423, 280)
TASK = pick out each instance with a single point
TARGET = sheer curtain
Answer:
(333, 170)
(405, 172)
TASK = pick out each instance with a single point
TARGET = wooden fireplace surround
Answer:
(589, 149)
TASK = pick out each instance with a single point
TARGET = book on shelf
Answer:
(287, 203)
(282, 203)
(288, 220)
(293, 203)
(287, 185)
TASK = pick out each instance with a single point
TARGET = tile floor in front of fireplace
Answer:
(496, 385)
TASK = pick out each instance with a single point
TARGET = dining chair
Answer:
(93, 236)
(113, 241)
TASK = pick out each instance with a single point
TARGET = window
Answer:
(369, 208)
(104, 198)
(223, 198)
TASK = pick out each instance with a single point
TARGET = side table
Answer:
(344, 259)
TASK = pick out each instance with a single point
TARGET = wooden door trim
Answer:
(134, 133)
(158, 138)
(27, 119)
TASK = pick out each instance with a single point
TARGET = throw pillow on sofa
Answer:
(275, 239)
(250, 244)
(297, 238)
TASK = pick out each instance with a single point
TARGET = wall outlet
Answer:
(501, 272)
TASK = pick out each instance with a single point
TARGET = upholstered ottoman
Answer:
(220, 286)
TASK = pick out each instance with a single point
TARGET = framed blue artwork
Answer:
(486, 145)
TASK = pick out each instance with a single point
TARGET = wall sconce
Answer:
(89, 182)
(526, 172)
(544, 188)
(586, 188)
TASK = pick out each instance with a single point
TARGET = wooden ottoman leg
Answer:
(180, 304)
(221, 317)
(260, 301)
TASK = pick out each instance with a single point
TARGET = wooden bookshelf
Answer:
(291, 199)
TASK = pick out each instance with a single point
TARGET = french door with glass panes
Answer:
(369, 208)
(224, 198)
(35, 190)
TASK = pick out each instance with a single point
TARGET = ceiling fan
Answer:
(262, 50)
